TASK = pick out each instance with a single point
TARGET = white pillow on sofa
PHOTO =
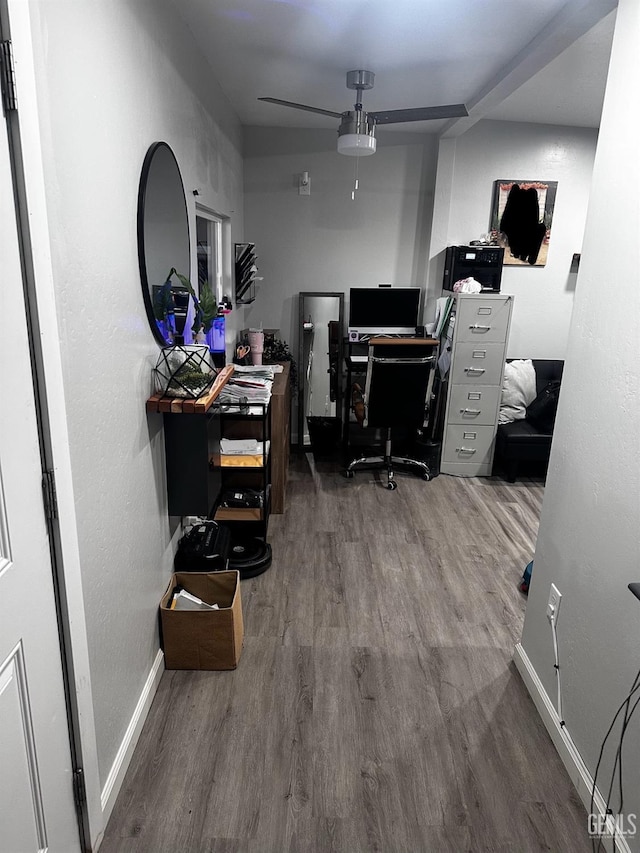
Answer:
(518, 390)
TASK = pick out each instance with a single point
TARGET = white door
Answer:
(36, 785)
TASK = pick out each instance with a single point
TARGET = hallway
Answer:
(375, 706)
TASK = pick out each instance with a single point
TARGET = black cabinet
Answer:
(193, 481)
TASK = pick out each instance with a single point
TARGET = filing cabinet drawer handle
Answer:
(470, 411)
(478, 328)
(465, 449)
(474, 370)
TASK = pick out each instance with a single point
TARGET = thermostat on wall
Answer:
(354, 336)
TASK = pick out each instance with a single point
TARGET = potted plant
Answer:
(276, 350)
(184, 370)
(164, 306)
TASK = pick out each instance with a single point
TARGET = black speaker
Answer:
(483, 263)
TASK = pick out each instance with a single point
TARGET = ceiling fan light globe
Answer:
(356, 144)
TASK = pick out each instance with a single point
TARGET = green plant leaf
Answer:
(208, 305)
(163, 300)
(198, 321)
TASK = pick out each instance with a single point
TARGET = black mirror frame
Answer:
(142, 192)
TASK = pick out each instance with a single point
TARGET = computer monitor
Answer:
(384, 310)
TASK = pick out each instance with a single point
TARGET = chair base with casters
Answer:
(388, 462)
(394, 397)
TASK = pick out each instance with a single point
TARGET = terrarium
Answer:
(184, 370)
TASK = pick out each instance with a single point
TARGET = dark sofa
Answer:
(520, 441)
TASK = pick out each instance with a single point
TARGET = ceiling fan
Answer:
(356, 134)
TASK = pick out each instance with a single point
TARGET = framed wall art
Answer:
(521, 217)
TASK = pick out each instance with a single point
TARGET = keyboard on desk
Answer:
(364, 338)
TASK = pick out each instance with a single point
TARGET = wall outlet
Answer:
(553, 605)
(304, 184)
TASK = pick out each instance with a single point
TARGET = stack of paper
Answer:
(240, 446)
(236, 392)
(253, 385)
(260, 371)
(183, 600)
(242, 459)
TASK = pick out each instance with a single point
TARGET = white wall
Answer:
(326, 241)
(588, 543)
(467, 169)
(114, 78)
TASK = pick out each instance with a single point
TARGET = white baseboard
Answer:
(119, 767)
(571, 758)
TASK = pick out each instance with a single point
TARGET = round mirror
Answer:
(163, 242)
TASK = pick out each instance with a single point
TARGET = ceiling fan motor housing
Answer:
(356, 134)
(360, 79)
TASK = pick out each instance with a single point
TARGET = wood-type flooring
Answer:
(376, 708)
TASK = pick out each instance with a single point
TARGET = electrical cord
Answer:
(618, 761)
(608, 811)
(626, 719)
(554, 631)
(625, 723)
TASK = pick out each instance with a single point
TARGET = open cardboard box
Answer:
(203, 639)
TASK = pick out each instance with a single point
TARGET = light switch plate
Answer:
(553, 605)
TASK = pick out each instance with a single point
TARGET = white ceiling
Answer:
(514, 60)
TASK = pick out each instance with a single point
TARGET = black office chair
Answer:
(394, 397)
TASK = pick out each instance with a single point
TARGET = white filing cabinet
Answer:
(480, 336)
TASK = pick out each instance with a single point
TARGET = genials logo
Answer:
(611, 826)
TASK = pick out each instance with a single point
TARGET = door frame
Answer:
(25, 146)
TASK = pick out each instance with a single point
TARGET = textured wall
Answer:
(327, 241)
(588, 542)
(114, 78)
(494, 150)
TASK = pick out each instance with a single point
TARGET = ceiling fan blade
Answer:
(419, 114)
(301, 107)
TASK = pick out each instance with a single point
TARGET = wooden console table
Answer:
(192, 439)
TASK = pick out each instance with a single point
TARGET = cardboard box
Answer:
(203, 639)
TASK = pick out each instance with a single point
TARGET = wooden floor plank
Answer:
(376, 706)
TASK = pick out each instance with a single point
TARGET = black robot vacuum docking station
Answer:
(249, 556)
